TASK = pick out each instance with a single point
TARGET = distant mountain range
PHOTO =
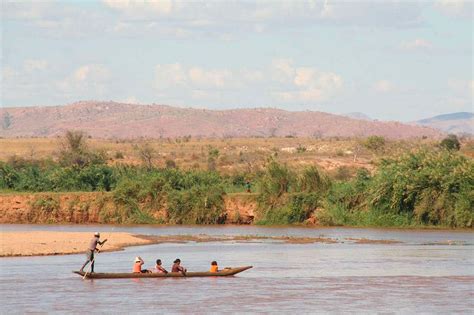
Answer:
(457, 123)
(119, 120)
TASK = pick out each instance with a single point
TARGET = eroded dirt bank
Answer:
(98, 207)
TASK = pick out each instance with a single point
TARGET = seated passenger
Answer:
(137, 266)
(214, 267)
(159, 268)
(177, 266)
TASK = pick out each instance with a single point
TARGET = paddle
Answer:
(90, 266)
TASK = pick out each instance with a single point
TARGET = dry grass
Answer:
(235, 154)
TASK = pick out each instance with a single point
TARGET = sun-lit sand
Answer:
(54, 243)
(38, 243)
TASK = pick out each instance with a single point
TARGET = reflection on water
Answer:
(304, 278)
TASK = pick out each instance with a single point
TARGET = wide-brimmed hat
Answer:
(138, 259)
(97, 234)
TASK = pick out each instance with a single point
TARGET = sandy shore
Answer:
(38, 243)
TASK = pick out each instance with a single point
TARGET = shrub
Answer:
(300, 149)
(275, 182)
(313, 180)
(342, 173)
(450, 143)
(8, 176)
(296, 209)
(198, 205)
(43, 209)
(374, 143)
(147, 154)
(212, 156)
(431, 185)
(287, 197)
(7, 121)
(74, 151)
(170, 164)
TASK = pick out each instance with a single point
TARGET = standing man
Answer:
(90, 251)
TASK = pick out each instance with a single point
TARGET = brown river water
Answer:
(421, 275)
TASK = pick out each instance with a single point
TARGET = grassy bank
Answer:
(420, 188)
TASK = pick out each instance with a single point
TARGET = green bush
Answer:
(374, 143)
(432, 188)
(275, 182)
(450, 143)
(428, 184)
(311, 179)
(288, 197)
(424, 188)
(198, 205)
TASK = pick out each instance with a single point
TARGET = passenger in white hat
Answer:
(137, 266)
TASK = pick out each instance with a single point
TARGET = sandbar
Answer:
(39, 243)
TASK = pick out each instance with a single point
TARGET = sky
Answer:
(392, 60)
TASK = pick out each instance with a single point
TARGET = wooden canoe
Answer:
(108, 275)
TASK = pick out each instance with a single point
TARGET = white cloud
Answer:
(456, 8)
(281, 78)
(31, 65)
(252, 75)
(210, 78)
(383, 86)
(263, 15)
(170, 75)
(198, 78)
(92, 78)
(282, 69)
(90, 72)
(8, 73)
(462, 87)
(217, 19)
(161, 7)
(417, 44)
(304, 83)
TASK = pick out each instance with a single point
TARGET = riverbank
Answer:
(99, 207)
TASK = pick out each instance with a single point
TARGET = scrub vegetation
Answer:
(423, 186)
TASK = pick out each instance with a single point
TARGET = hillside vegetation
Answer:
(130, 121)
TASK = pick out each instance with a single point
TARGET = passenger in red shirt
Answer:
(177, 266)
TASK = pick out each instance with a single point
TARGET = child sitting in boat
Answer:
(214, 267)
(177, 266)
(159, 268)
(137, 266)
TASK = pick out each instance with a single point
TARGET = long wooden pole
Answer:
(90, 266)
